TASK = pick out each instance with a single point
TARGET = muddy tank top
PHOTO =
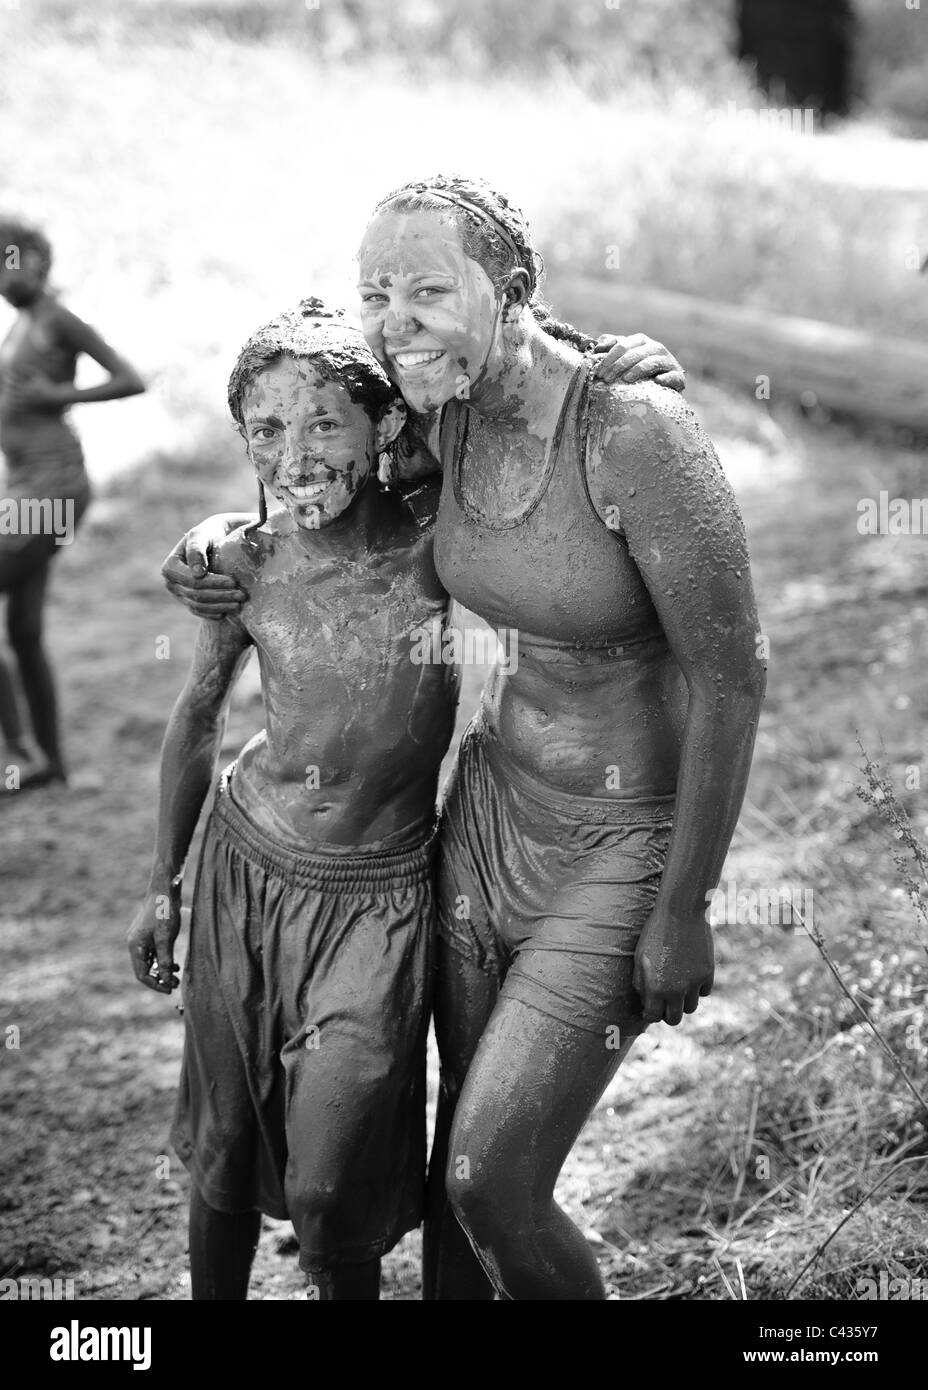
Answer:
(554, 570)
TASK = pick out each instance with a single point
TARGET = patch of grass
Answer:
(208, 181)
(793, 1111)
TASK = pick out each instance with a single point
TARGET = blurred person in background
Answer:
(45, 491)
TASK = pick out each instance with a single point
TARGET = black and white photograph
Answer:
(463, 641)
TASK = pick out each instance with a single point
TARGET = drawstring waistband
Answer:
(324, 867)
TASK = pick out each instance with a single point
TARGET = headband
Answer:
(459, 200)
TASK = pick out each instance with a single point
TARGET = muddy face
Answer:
(312, 447)
(430, 314)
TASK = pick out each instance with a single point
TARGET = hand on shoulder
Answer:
(241, 553)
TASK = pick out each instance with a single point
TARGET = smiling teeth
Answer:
(417, 359)
(307, 492)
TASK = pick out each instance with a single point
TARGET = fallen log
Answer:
(774, 357)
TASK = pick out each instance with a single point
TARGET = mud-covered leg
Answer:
(222, 1250)
(349, 1281)
(465, 997)
(529, 1090)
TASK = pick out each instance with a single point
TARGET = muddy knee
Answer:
(481, 1199)
(318, 1212)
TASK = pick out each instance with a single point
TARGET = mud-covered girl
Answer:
(308, 971)
(597, 788)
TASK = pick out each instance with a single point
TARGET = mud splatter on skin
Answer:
(622, 565)
(421, 293)
(306, 435)
(542, 562)
(355, 731)
(332, 615)
(596, 522)
(637, 635)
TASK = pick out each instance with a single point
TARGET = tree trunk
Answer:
(774, 357)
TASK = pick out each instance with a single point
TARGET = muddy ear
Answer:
(389, 425)
(517, 290)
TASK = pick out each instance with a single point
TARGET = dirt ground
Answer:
(90, 1189)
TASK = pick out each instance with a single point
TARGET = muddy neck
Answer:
(359, 527)
(526, 377)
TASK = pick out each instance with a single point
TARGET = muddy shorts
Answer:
(548, 891)
(306, 998)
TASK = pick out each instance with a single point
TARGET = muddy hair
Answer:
(314, 333)
(493, 232)
(25, 236)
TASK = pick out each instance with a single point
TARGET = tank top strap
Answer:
(450, 435)
(452, 430)
(583, 413)
(567, 474)
(574, 400)
(588, 405)
(453, 437)
(581, 423)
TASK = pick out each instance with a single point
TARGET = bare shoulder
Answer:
(243, 553)
(644, 437)
(641, 417)
(69, 327)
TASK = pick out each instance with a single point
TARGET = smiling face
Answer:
(312, 446)
(430, 314)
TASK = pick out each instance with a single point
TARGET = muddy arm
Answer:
(188, 761)
(656, 480)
